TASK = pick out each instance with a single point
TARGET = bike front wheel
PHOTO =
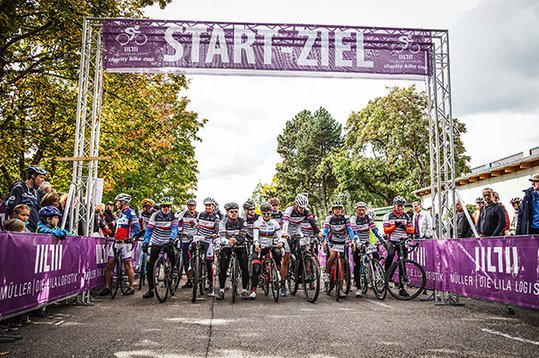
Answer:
(378, 281)
(405, 280)
(195, 267)
(142, 272)
(234, 279)
(311, 279)
(116, 281)
(179, 267)
(160, 280)
(275, 281)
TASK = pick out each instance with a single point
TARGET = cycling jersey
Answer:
(187, 223)
(292, 220)
(127, 225)
(278, 216)
(362, 226)
(161, 228)
(229, 229)
(307, 228)
(207, 225)
(21, 193)
(397, 226)
(250, 221)
(267, 233)
(338, 229)
(145, 218)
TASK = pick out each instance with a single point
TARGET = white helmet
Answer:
(209, 201)
(361, 204)
(302, 201)
(126, 198)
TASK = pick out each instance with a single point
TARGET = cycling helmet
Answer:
(35, 170)
(231, 206)
(167, 201)
(147, 202)
(191, 202)
(399, 200)
(302, 201)
(479, 200)
(274, 201)
(209, 201)
(126, 198)
(266, 207)
(48, 211)
(515, 200)
(361, 204)
(249, 204)
(337, 204)
(371, 214)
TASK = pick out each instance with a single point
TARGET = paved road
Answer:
(132, 327)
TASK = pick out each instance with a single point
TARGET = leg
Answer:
(154, 254)
(357, 262)
(223, 267)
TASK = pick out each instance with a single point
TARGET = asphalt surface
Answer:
(130, 326)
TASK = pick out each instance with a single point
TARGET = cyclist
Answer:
(147, 211)
(362, 224)
(267, 235)
(276, 213)
(292, 219)
(232, 232)
(250, 216)
(127, 227)
(208, 228)
(187, 221)
(162, 230)
(338, 231)
(397, 225)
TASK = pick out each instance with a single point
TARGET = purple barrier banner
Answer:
(502, 270)
(36, 269)
(138, 45)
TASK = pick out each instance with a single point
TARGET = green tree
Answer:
(306, 140)
(386, 148)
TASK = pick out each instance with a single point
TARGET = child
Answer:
(22, 212)
(14, 225)
(49, 216)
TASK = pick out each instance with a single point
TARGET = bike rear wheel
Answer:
(347, 277)
(405, 285)
(378, 280)
(160, 280)
(311, 279)
(116, 281)
(275, 282)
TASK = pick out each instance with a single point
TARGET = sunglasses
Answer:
(233, 211)
(166, 206)
(266, 213)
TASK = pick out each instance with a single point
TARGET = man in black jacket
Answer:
(528, 212)
(464, 228)
(492, 216)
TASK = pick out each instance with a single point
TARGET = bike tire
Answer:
(295, 284)
(196, 278)
(363, 284)
(311, 294)
(116, 280)
(378, 280)
(202, 276)
(337, 279)
(179, 268)
(275, 282)
(264, 279)
(234, 279)
(417, 290)
(290, 279)
(142, 272)
(347, 277)
(160, 280)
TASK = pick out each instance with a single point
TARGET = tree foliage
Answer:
(146, 127)
(386, 148)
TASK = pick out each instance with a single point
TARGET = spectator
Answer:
(464, 229)
(14, 225)
(507, 221)
(110, 219)
(51, 199)
(49, 216)
(100, 225)
(63, 202)
(515, 203)
(479, 203)
(27, 193)
(22, 212)
(3, 213)
(46, 187)
(491, 220)
(528, 212)
(422, 222)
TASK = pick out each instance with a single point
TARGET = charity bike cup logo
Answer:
(48, 258)
(132, 34)
(406, 42)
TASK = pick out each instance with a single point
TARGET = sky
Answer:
(494, 81)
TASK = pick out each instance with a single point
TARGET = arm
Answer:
(222, 232)
(310, 219)
(14, 199)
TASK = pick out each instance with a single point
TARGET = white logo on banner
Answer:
(497, 259)
(48, 258)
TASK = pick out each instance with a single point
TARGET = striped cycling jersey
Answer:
(207, 224)
(267, 233)
(362, 227)
(337, 228)
(292, 220)
(161, 228)
(306, 228)
(126, 225)
(229, 229)
(250, 222)
(278, 216)
(145, 218)
(392, 219)
(188, 225)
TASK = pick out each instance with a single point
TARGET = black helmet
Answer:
(231, 205)
(34, 170)
(266, 207)
(249, 204)
(399, 200)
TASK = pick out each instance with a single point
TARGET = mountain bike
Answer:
(405, 279)
(307, 270)
(163, 279)
(269, 276)
(339, 272)
(235, 272)
(371, 272)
